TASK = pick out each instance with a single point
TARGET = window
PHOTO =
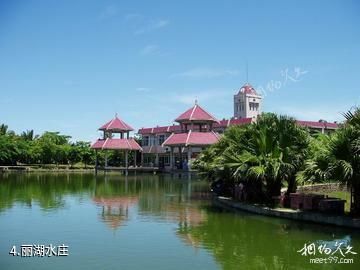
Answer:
(241, 106)
(145, 141)
(153, 140)
(164, 160)
(161, 139)
(254, 106)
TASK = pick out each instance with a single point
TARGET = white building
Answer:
(247, 103)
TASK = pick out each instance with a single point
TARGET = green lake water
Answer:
(148, 222)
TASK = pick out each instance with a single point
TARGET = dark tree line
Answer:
(48, 148)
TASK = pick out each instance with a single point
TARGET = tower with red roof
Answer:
(247, 102)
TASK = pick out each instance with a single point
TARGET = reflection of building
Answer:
(188, 219)
(192, 134)
(115, 210)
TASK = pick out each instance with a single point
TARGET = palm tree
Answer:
(339, 158)
(317, 163)
(28, 135)
(271, 152)
(344, 162)
(3, 129)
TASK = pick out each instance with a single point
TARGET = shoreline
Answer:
(299, 215)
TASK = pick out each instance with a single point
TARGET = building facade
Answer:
(156, 151)
(247, 102)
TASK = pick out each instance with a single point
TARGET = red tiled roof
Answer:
(196, 113)
(248, 89)
(313, 124)
(240, 121)
(222, 123)
(175, 139)
(116, 124)
(145, 131)
(116, 144)
(191, 138)
(227, 122)
(156, 130)
(176, 128)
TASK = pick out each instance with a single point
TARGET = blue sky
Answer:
(69, 66)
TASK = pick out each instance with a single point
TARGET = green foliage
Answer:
(266, 154)
(49, 148)
(337, 157)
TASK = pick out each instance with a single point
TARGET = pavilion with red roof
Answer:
(196, 131)
(112, 129)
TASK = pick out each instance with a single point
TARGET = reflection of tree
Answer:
(44, 189)
(245, 241)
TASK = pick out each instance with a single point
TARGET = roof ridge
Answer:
(187, 138)
(127, 141)
(190, 118)
(122, 122)
(104, 143)
(112, 120)
(163, 144)
(216, 134)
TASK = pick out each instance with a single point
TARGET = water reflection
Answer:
(235, 240)
(256, 242)
(156, 198)
(45, 190)
(115, 210)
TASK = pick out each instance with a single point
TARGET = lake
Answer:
(147, 221)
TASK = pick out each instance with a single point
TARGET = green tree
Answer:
(344, 159)
(87, 155)
(266, 154)
(337, 157)
(74, 154)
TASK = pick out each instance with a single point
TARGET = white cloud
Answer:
(159, 24)
(142, 25)
(142, 89)
(133, 17)
(108, 12)
(152, 49)
(206, 73)
(308, 113)
(149, 50)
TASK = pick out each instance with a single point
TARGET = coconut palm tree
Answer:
(3, 129)
(28, 135)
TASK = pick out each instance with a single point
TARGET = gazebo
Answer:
(109, 141)
(196, 131)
